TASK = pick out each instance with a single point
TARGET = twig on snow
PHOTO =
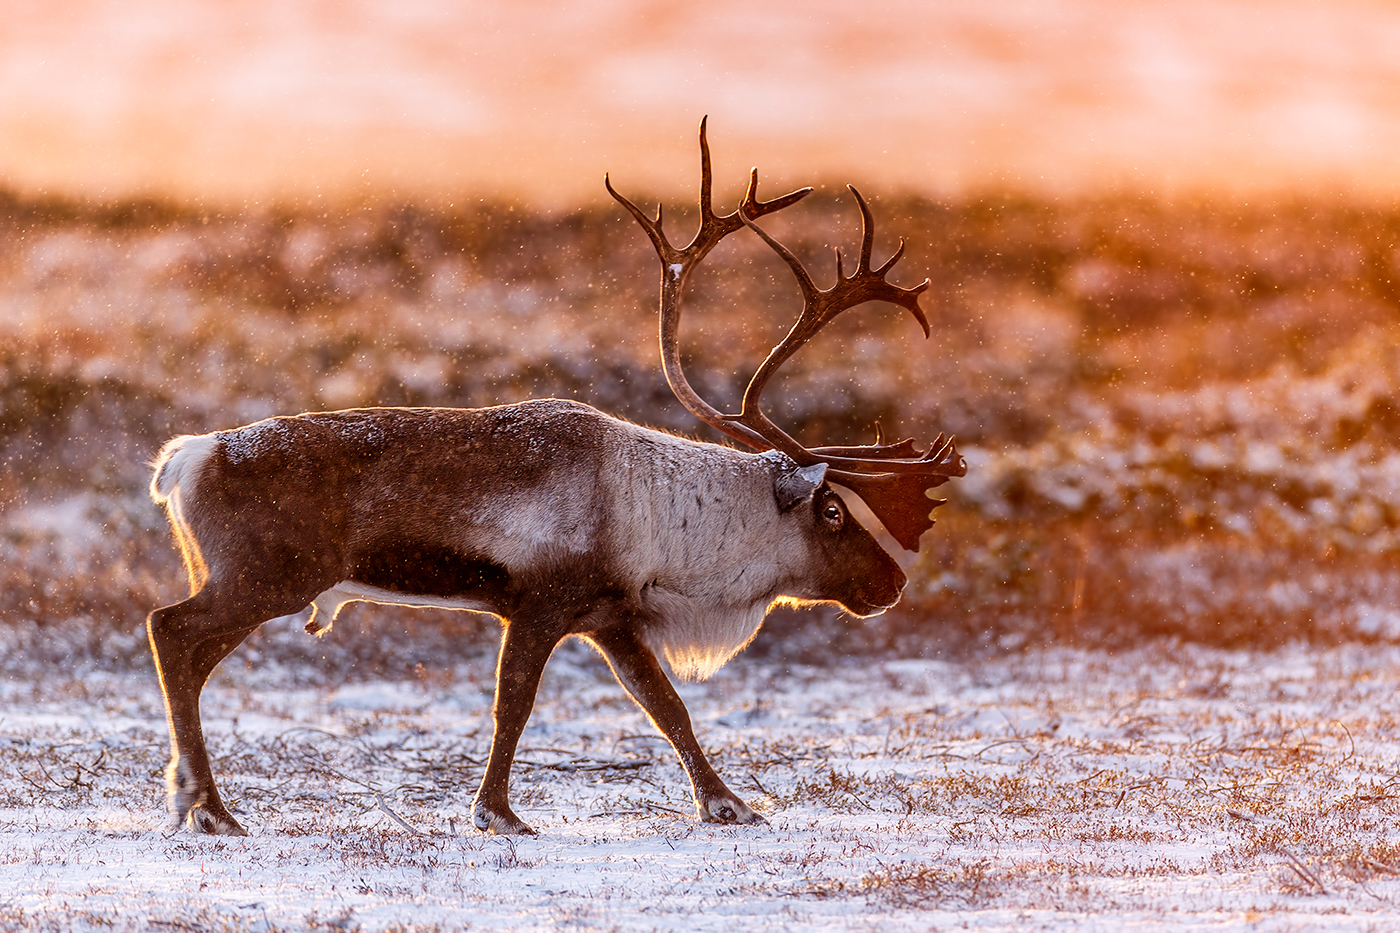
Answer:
(383, 805)
(1302, 871)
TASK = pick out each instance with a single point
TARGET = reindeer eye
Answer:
(832, 515)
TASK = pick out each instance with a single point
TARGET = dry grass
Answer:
(1169, 788)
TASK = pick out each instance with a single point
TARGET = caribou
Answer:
(554, 517)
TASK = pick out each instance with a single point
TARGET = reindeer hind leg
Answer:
(188, 640)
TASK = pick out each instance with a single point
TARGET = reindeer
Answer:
(554, 517)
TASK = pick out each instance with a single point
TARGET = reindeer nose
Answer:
(892, 598)
(876, 595)
(895, 588)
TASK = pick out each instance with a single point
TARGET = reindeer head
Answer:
(893, 479)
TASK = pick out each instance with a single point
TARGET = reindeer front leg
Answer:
(640, 674)
(524, 650)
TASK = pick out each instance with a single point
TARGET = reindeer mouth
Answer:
(866, 603)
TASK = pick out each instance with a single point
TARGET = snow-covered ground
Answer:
(1167, 788)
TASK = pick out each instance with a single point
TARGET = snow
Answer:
(1168, 788)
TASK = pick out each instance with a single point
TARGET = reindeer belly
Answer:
(408, 574)
(412, 569)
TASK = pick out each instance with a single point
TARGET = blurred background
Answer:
(1163, 240)
(226, 100)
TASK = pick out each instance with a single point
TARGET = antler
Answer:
(893, 479)
(676, 265)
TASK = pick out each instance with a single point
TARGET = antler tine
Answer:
(652, 227)
(910, 296)
(713, 227)
(706, 178)
(867, 233)
(810, 292)
(676, 265)
(819, 307)
(899, 501)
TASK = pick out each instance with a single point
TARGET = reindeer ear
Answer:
(797, 486)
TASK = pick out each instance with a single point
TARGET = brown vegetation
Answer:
(1179, 417)
(1168, 787)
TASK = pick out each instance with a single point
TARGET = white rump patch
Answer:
(173, 484)
(179, 464)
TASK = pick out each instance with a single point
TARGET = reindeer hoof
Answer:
(205, 821)
(500, 822)
(728, 810)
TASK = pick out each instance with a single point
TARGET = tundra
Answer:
(554, 517)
